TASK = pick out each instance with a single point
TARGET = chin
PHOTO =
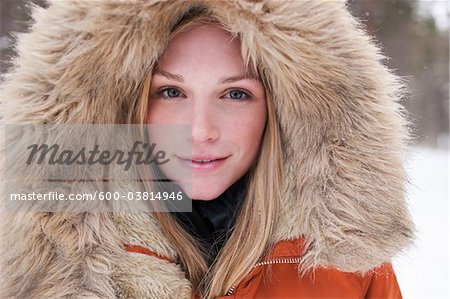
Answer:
(203, 198)
(201, 192)
(205, 195)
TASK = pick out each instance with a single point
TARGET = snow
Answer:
(422, 271)
(439, 9)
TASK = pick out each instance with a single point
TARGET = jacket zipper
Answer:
(269, 262)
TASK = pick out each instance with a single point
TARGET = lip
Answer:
(203, 167)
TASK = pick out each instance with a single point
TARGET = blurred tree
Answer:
(419, 52)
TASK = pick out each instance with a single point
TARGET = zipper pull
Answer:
(231, 290)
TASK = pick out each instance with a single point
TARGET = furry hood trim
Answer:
(344, 134)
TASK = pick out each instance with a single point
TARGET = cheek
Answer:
(158, 113)
(152, 113)
(247, 130)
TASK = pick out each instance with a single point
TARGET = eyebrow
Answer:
(179, 78)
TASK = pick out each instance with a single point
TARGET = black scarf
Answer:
(212, 221)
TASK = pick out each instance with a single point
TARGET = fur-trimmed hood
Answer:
(343, 131)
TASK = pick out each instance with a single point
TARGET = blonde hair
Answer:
(258, 213)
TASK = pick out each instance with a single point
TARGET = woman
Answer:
(297, 175)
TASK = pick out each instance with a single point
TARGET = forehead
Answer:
(204, 47)
(202, 43)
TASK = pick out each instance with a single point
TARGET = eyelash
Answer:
(246, 95)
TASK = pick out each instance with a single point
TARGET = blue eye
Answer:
(234, 94)
(238, 95)
(169, 93)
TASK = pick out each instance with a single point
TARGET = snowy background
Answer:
(423, 271)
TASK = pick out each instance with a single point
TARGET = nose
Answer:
(204, 123)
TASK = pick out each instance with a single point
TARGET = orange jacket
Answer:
(283, 280)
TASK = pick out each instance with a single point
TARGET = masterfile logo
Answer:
(96, 167)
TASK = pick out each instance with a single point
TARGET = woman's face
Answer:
(201, 81)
